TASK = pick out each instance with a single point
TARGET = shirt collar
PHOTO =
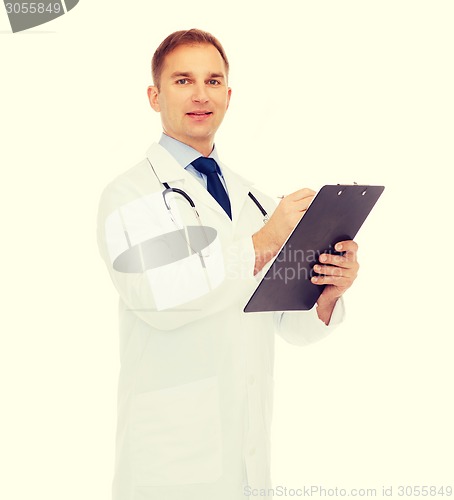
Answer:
(183, 153)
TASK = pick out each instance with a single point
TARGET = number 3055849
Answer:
(33, 8)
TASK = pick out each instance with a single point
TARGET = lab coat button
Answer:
(252, 452)
(251, 379)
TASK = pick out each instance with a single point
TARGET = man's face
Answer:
(193, 96)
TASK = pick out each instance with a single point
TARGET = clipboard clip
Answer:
(354, 184)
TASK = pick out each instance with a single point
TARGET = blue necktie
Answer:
(209, 167)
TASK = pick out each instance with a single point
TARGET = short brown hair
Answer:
(188, 37)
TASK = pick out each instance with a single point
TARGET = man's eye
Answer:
(214, 82)
(182, 81)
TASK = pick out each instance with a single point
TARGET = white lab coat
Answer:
(196, 382)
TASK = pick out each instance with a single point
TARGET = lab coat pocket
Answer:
(175, 435)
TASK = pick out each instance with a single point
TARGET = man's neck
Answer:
(203, 147)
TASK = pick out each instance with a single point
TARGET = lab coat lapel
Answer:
(169, 170)
(238, 188)
(164, 165)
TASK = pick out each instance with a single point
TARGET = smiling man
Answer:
(195, 388)
(191, 93)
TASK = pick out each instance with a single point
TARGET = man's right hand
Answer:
(273, 234)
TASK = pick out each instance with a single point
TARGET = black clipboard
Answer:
(335, 214)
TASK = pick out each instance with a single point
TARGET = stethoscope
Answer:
(201, 229)
(185, 195)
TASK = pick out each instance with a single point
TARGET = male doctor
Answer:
(195, 388)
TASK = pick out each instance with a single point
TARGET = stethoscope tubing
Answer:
(185, 195)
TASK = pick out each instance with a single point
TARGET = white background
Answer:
(323, 92)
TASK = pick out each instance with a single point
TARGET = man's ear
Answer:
(153, 97)
(229, 95)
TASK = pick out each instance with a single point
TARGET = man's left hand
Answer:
(338, 272)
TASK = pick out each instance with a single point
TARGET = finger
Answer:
(334, 271)
(349, 249)
(348, 246)
(339, 281)
(301, 194)
(303, 204)
(345, 262)
(295, 206)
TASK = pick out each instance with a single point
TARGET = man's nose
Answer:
(200, 93)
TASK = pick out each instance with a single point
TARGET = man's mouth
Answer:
(199, 113)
